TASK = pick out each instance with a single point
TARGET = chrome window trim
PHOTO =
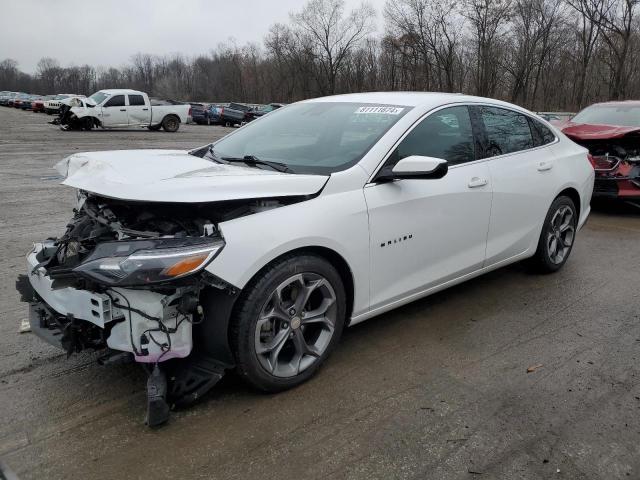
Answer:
(465, 104)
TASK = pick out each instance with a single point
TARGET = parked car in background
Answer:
(261, 110)
(122, 108)
(227, 258)
(197, 113)
(213, 114)
(234, 114)
(611, 132)
(52, 106)
(27, 103)
(6, 97)
(38, 104)
(19, 99)
(556, 118)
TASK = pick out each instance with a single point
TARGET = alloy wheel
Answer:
(296, 324)
(561, 234)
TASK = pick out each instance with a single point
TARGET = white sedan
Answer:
(256, 251)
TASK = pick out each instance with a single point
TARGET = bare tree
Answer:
(331, 35)
(488, 19)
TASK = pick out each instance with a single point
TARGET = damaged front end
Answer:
(616, 161)
(128, 278)
(71, 115)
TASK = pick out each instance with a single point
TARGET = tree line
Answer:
(541, 54)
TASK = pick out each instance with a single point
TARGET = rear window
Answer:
(239, 106)
(136, 100)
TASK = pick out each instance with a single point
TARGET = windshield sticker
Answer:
(377, 110)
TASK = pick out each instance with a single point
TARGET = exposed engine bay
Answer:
(617, 166)
(128, 278)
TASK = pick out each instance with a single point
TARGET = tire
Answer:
(171, 123)
(267, 340)
(557, 236)
(87, 124)
(154, 128)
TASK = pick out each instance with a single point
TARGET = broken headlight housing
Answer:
(150, 261)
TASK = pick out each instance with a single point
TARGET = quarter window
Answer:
(507, 131)
(541, 133)
(115, 101)
(445, 134)
(135, 100)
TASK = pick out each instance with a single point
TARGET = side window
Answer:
(115, 101)
(444, 134)
(135, 100)
(541, 133)
(507, 131)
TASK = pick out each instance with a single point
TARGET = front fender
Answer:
(338, 222)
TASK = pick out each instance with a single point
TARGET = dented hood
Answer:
(176, 176)
(583, 131)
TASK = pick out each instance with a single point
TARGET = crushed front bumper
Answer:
(142, 322)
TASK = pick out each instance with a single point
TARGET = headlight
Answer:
(143, 262)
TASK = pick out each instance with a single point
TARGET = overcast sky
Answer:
(109, 32)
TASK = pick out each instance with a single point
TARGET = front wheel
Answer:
(557, 236)
(170, 124)
(287, 322)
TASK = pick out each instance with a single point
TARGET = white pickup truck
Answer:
(122, 108)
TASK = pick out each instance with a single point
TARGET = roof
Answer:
(111, 91)
(409, 99)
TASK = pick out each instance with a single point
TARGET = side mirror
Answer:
(415, 167)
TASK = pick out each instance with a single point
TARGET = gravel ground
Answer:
(436, 389)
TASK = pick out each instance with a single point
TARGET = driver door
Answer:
(114, 112)
(424, 233)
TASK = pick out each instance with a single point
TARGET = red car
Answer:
(37, 105)
(611, 132)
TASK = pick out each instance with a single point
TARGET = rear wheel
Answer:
(557, 236)
(170, 123)
(287, 322)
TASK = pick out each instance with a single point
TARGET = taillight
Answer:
(190, 110)
(592, 160)
(221, 110)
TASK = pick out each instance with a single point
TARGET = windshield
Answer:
(316, 137)
(98, 97)
(621, 115)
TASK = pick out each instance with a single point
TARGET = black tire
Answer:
(87, 124)
(171, 123)
(544, 260)
(154, 128)
(254, 299)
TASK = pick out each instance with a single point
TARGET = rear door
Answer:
(424, 233)
(521, 167)
(114, 112)
(138, 110)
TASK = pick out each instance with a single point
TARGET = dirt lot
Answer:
(437, 389)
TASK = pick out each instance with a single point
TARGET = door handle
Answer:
(476, 182)
(544, 166)
(145, 109)
(123, 109)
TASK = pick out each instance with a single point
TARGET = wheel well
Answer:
(339, 263)
(573, 194)
(171, 115)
